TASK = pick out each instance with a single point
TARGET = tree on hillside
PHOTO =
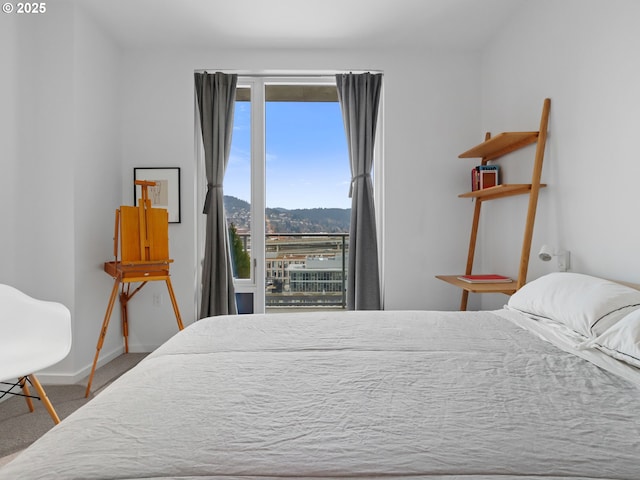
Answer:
(240, 257)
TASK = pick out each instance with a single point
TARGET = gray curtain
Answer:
(359, 96)
(216, 101)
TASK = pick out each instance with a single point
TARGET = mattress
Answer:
(405, 394)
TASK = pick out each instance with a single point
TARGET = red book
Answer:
(475, 179)
(490, 278)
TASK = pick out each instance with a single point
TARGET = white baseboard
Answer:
(53, 378)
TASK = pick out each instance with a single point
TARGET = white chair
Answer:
(34, 334)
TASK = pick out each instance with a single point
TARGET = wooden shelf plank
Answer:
(508, 288)
(500, 191)
(500, 145)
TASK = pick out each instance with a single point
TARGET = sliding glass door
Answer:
(286, 194)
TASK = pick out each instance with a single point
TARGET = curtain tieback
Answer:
(353, 181)
(207, 198)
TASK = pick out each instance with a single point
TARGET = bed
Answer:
(545, 388)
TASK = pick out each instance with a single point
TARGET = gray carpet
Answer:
(20, 428)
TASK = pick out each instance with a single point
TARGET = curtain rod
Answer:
(324, 73)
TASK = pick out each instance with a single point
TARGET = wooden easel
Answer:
(143, 232)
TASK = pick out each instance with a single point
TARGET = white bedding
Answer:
(424, 395)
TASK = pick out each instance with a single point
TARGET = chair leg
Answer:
(25, 388)
(44, 398)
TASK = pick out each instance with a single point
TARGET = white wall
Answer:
(431, 103)
(39, 156)
(581, 54)
(35, 110)
(43, 204)
(97, 166)
(62, 164)
(8, 145)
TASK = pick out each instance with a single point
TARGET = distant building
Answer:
(305, 270)
(318, 275)
(277, 269)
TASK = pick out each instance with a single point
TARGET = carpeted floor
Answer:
(20, 427)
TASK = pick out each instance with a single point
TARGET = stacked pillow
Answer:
(606, 313)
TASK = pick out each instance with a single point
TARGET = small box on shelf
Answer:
(484, 176)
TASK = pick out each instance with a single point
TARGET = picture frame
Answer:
(166, 194)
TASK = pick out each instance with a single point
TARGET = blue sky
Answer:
(307, 160)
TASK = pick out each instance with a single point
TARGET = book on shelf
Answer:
(488, 278)
(484, 176)
(475, 179)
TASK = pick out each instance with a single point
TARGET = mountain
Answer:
(282, 220)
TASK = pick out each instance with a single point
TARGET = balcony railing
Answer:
(305, 270)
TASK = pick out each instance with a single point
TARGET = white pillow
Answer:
(622, 340)
(586, 304)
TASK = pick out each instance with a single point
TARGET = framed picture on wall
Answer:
(165, 194)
